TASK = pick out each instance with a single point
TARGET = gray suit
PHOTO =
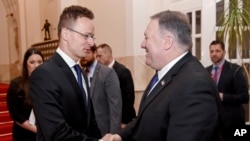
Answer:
(107, 100)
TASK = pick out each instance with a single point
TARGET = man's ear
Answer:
(168, 41)
(64, 34)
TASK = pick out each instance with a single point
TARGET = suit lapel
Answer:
(93, 81)
(68, 72)
(115, 65)
(163, 83)
(209, 69)
(147, 98)
(73, 82)
(223, 74)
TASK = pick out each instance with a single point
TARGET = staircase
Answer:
(5, 120)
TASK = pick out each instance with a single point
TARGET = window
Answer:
(195, 21)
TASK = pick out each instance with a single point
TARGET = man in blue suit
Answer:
(62, 104)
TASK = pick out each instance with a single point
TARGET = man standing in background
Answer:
(104, 56)
(233, 89)
(105, 93)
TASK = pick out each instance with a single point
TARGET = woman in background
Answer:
(18, 99)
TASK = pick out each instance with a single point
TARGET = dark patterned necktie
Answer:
(79, 81)
(86, 70)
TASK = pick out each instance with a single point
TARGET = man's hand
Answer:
(123, 125)
(221, 96)
(110, 137)
(106, 137)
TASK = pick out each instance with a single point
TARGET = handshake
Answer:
(111, 137)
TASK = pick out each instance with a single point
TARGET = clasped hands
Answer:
(111, 137)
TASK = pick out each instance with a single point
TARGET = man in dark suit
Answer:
(183, 103)
(104, 56)
(233, 89)
(105, 93)
(62, 106)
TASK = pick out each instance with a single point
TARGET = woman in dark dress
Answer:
(18, 100)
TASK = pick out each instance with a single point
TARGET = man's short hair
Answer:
(71, 14)
(216, 42)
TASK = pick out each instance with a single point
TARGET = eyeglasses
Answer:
(86, 36)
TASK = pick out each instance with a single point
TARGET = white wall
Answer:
(140, 18)
(110, 25)
(208, 28)
(32, 17)
(49, 10)
(122, 23)
(4, 50)
(22, 23)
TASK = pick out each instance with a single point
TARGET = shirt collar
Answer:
(111, 64)
(70, 62)
(166, 68)
(92, 68)
(220, 64)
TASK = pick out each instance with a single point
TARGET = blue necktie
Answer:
(215, 77)
(79, 81)
(153, 81)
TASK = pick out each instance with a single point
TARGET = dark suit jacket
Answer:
(232, 83)
(19, 111)
(128, 92)
(183, 106)
(58, 104)
(107, 99)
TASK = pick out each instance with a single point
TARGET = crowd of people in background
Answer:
(83, 94)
